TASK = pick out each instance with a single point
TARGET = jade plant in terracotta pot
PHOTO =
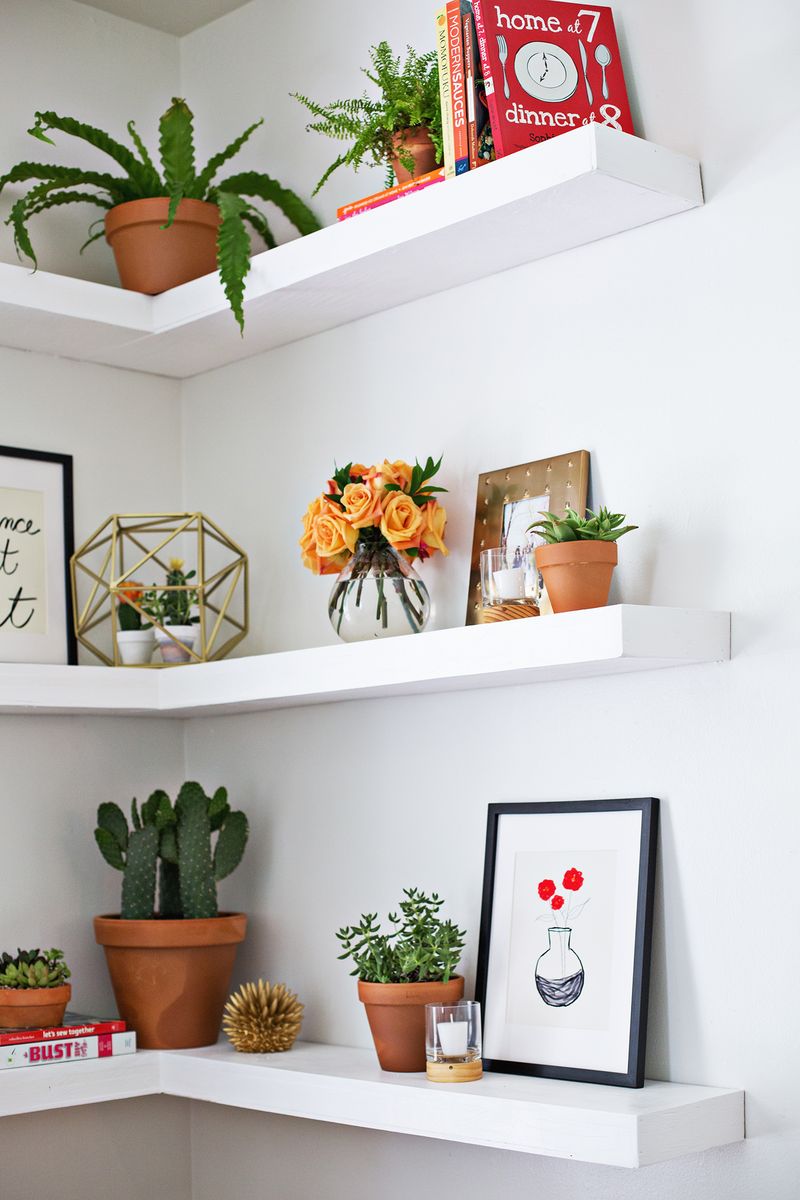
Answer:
(401, 971)
(164, 227)
(401, 130)
(170, 966)
(33, 989)
(579, 556)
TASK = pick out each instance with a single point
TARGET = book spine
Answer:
(40, 1054)
(455, 53)
(443, 60)
(471, 90)
(19, 1037)
(488, 79)
(386, 197)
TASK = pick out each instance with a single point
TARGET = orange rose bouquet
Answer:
(367, 527)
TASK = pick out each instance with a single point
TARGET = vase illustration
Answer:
(378, 594)
(559, 971)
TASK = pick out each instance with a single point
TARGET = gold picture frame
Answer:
(510, 492)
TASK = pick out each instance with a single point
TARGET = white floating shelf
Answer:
(584, 1122)
(581, 186)
(599, 641)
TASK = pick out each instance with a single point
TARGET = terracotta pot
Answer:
(33, 1008)
(577, 574)
(171, 977)
(151, 259)
(416, 142)
(396, 1015)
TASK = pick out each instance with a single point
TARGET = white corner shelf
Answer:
(584, 185)
(600, 641)
(584, 1122)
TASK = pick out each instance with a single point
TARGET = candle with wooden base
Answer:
(453, 1042)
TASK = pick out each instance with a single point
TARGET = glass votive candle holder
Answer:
(453, 1042)
(510, 582)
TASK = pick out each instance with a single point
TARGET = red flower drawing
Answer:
(573, 880)
(557, 902)
(547, 889)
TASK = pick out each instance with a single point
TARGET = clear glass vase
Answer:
(378, 594)
(559, 971)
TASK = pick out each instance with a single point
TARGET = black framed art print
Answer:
(566, 929)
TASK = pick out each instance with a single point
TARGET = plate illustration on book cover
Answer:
(546, 71)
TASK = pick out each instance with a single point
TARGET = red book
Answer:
(549, 67)
(74, 1026)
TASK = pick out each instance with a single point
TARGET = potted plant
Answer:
(171, 968)
(368, 527)
(164, 228)
(33, 989)
(402, 971)
(401, 130)
(579, 556)
(174, 609)
(135, 637)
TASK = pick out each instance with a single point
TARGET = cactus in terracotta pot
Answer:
(579, 556)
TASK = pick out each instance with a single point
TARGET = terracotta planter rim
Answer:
(168, 933)
(577, 552)
(155, 208)
(34, 997)
(392, 994)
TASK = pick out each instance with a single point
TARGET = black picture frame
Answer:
(633, 1075)
(64, 462)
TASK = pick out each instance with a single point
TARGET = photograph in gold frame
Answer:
(508, 497)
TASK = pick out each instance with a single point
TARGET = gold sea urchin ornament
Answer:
(261, 1018)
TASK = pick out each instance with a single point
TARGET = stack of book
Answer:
(77, 1040)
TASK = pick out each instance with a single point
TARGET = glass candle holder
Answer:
(510, 582)
(453, 1042)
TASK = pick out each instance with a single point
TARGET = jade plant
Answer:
(178, 179)
(602, 526)
(409, 96)
(33, 969)
(173, 846)
(421, 948)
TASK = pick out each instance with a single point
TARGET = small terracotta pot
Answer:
(416, 142)
(577, 574)
(171, 977)
(33, 1008)
(151, 259)
(396, 1015)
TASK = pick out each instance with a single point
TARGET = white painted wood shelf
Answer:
(584, 185)
(584, 1122)
(600, 641)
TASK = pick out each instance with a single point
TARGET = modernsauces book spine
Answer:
(40, 1054)
(458, 91)
(549, 67)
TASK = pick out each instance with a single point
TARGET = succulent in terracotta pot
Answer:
(401, 971)
(33, 988)
(170, 963)
(579, 556)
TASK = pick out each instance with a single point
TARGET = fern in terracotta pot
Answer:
(165, 227)
(579, 556)
(170, 952)
(401, 971)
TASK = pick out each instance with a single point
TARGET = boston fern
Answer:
(421, 948)
(409, 96)
(179, 179)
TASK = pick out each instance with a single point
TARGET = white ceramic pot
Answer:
(177, 651)
(135, 646)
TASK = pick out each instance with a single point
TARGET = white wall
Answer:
(82, 63)
(666, 353)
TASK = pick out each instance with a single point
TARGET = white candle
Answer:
(510, 583)
(453, 1038)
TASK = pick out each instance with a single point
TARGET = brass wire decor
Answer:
(132, 548)
(262, 1018)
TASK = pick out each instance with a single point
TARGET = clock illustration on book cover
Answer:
(546, 71)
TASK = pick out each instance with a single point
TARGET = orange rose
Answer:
(398, 472)
(314, 510)
(324, 566)
(434, 522)
(358, 471)
(333, 535)
(401, 523)
(362, 506)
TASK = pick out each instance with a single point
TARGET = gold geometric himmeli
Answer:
(137, 547)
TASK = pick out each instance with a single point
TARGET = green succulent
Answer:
(421, 948)
(602, 526)
(33, 969)
(180, 179)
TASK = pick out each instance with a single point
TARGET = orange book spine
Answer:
(389, 194)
